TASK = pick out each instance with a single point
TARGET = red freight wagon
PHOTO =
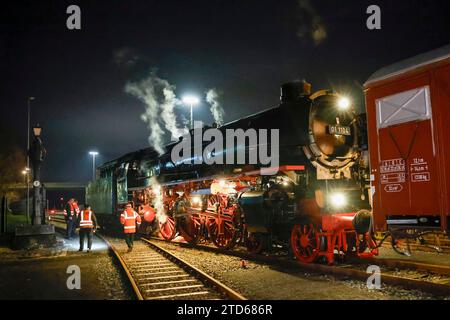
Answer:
(408, 115)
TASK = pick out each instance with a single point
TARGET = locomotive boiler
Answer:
(314, 201)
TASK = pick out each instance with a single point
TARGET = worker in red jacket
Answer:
(87, 223)
(130, 220)
(70, 217)
(76, 208)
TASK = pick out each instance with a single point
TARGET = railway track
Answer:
(434, 279)
(156, 274)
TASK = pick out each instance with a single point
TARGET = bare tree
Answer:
(12, 163)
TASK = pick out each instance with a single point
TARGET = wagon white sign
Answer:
(394, 187)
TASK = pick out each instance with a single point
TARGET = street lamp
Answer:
(29, 99)
(37, 129)
(37, 154)
(191, 101)
(93, 154)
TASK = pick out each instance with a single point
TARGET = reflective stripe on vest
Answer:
(86, 222)
(129, 215)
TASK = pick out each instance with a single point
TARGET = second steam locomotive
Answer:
(316, 201)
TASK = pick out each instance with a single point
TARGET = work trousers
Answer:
(85, 232)
(71, 227)
(129, 238)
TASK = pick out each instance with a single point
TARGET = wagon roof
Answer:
(409, 64)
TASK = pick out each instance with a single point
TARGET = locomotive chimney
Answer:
(291, 91)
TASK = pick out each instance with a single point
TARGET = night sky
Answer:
(244, 49)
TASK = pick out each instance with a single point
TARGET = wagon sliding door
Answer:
(406, 155)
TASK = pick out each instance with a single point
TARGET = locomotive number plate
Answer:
(339, 130)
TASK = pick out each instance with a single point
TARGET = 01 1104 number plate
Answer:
(339, 130)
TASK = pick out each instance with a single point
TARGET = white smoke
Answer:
(160, 100)
(158, 202)
(311, 25)
(216, 109)
(168, 114)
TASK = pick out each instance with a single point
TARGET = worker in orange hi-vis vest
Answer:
(75, 207)
(88, 223)
(130, 220)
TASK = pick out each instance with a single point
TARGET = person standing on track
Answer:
(70, 217)
(88, 223)
(130, 220)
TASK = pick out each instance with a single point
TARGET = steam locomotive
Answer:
(315, 202)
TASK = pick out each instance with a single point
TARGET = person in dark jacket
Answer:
(71, 218)
(88, 224)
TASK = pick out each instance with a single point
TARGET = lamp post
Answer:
(27, 236)
(191, 101)
(29, 99)
(36, 153)
(26, 181)
(93, 154)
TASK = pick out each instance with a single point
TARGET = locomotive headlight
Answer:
(343, 103)
(338, 200)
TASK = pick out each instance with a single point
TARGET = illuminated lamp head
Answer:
(343, 103)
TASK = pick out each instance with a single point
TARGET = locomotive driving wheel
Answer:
(188, 224)
(167, 227)
(224, 225)
(305, 242)
(189, 227)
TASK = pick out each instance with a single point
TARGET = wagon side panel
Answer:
(441, 98)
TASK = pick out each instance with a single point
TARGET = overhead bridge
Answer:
(50, 185)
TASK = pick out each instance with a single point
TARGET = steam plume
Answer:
(160, 100)
(216, 109)
(311, 24)
(158, 203)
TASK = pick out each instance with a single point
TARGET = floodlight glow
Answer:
(93, 153)
(338, 200)
(343, 103)
(190, 100)
(196, 200)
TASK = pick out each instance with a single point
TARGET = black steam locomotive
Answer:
(313, 200)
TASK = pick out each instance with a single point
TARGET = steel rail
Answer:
(222, 288)
(124, 266)
(340, 271)
(414, 265)
(116, 254)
